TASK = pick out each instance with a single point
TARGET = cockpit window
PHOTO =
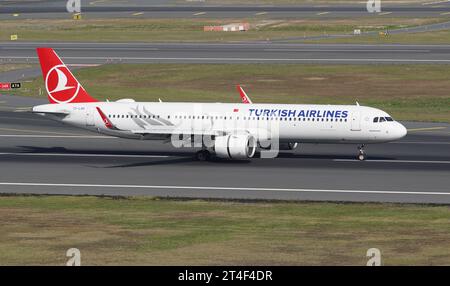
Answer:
(382, 119)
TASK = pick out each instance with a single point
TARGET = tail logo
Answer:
(61, 86)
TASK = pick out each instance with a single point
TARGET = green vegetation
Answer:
(191, 30)
(408, 92)
(11, 67)
(39, 230)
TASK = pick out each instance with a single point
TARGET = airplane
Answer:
(224, 130)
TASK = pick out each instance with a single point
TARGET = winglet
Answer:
(244, 96)
(105, 119)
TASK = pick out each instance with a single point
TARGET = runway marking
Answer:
(218, 188)
(56, 136)
(97, 1)
(86, 155)
(23, 109)
(427, 129)
(322, 13)
(137, 14)
(393, 161)
(199, 13)
(261, 13)
(83, 65)
(435, 2)
(445, 13)
(340, 50)
(246, 59)
(413, 142)
(384, 13)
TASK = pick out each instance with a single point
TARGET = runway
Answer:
(42, 156)
(176, 7)
(50, 9)
(258, 52)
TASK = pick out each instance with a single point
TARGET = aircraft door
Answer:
(90, 116)
(356, 121)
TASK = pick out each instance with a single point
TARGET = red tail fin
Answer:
(244, 96)
(60, 83)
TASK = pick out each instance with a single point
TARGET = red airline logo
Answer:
(105, 119)
(61, 86)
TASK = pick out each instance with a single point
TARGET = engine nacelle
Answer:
(235, 146)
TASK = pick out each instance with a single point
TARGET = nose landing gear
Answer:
(361, 154)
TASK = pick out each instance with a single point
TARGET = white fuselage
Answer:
(292, 123)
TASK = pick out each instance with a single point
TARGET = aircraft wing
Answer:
(168, 131)
(61, 113)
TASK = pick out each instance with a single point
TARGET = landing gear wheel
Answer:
(202, 155)
(361, 154)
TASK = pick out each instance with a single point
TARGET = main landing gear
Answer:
(203, 155)
(361, 154)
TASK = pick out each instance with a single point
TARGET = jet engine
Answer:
(235, 146)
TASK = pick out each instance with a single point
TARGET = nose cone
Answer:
(400, 131)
